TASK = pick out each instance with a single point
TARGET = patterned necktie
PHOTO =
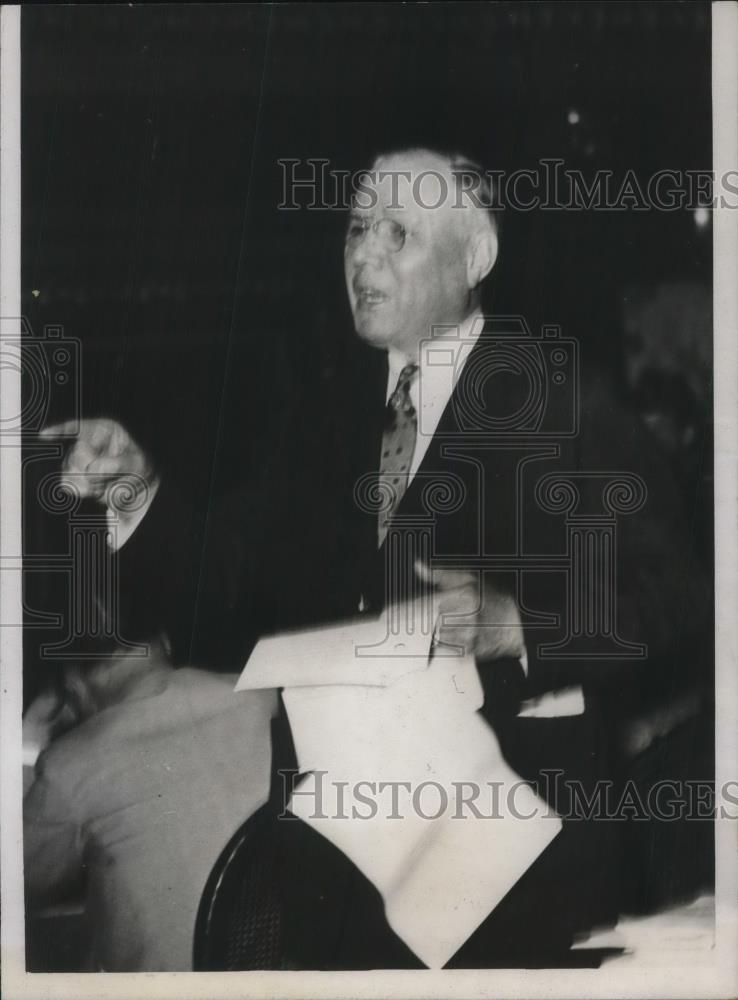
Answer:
(398, 445)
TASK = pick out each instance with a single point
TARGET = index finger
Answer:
(67, 428)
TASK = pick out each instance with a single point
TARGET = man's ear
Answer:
(481, 256)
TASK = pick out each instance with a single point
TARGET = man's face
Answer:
(408, 272)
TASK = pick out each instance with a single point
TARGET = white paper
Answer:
(373, 651)
(362, 724)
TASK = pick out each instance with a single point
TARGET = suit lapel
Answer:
(436, 461)
(486, 479)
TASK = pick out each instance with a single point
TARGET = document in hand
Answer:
(374, 651)
(405, 776)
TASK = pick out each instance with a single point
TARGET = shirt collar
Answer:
(451, 341)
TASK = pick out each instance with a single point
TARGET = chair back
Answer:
(238, 925)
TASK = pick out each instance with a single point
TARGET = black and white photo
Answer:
(368, 455)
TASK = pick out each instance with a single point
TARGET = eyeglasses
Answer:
(390, 233)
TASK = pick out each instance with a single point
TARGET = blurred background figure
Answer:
(668, 717)
(145, 774)
(670, 410)
(667, 360)
(675, 415)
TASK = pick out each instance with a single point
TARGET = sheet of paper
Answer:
(392, 768)
(373, 651)
(388, 734)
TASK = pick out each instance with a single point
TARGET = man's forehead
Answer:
(407, 183)
(413, 161)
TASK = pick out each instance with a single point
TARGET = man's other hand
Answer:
(489, 629)
(103, 457)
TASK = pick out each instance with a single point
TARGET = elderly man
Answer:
(434, 472)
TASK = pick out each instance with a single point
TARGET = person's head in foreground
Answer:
(86, 687)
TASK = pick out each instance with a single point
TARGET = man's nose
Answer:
(369, 247)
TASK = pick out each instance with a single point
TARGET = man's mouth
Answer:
(368, 296)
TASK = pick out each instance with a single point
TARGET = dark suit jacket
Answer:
(297, 545)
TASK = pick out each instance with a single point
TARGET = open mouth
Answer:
(366, 296)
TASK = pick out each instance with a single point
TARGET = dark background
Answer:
(150, 183)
